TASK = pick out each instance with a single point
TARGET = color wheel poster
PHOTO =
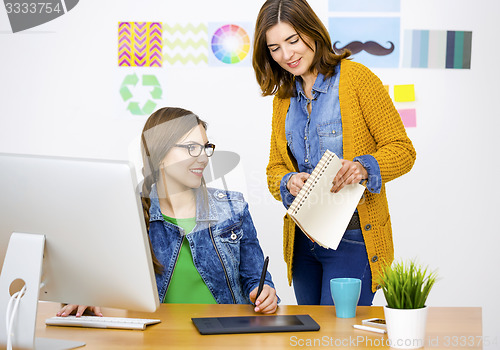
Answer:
(229, 44)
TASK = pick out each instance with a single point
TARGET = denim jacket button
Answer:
(233, 236)
(221, 195)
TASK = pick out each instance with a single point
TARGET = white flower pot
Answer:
(406, 327)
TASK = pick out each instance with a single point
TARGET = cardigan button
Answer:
(374, 258)
(368, 227)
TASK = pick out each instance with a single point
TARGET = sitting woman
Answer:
(203, 241)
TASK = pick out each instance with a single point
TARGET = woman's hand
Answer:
(267, 302)
(78, 310)
(350, 173)
(296, 182)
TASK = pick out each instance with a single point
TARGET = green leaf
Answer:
(406, 285)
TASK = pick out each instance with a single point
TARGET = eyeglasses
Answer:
(194, 149)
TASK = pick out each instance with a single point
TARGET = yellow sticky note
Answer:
(404, 93)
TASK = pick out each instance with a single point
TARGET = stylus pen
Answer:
(369, 329)
(262, 278)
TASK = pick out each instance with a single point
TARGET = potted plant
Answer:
(406, 286)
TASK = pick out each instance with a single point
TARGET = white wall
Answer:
(59, 96)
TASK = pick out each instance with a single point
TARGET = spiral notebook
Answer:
(319, 213)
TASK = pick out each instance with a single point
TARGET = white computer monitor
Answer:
(96, 248)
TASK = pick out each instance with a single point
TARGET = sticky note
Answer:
(409, 117)
(404, 93)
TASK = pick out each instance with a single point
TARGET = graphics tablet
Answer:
(255, 324)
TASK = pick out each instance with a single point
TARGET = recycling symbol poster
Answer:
(140, 93)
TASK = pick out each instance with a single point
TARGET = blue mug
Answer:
(345, 295)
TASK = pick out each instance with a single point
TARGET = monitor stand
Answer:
(23, 264)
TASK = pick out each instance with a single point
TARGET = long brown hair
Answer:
(162, 131)
(270, 76)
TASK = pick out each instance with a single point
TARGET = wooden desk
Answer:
(176, 331)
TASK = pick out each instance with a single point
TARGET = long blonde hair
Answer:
(162, 131)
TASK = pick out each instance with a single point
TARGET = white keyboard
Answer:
(101, 322)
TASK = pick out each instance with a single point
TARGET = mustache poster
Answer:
(371, 47)
(373, 41)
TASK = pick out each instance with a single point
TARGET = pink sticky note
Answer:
(409, 117)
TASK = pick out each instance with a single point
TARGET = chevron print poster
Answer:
(185, 44)
(140, 44)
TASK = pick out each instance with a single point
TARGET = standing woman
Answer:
(324, 101)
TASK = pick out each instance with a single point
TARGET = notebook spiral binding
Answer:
(311, 181)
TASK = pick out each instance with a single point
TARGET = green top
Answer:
(186, 285)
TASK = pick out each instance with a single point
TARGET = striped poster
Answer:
(437, 49)
(185, 44)
(140, 44)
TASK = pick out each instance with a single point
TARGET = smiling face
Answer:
(289, 50)
(179, 170)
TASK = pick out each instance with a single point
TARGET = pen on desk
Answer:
(369, 329)
(262, 278)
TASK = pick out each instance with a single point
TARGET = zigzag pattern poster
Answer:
(140, 44)
(185, 44)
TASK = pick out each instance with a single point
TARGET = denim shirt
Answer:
(310, 135)
(224, 245)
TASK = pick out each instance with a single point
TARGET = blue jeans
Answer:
(314, 266)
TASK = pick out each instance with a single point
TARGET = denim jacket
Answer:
(224, 245)
(310, 135)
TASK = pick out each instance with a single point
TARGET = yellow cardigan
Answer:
(371, 125)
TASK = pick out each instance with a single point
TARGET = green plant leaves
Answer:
(406, 285)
